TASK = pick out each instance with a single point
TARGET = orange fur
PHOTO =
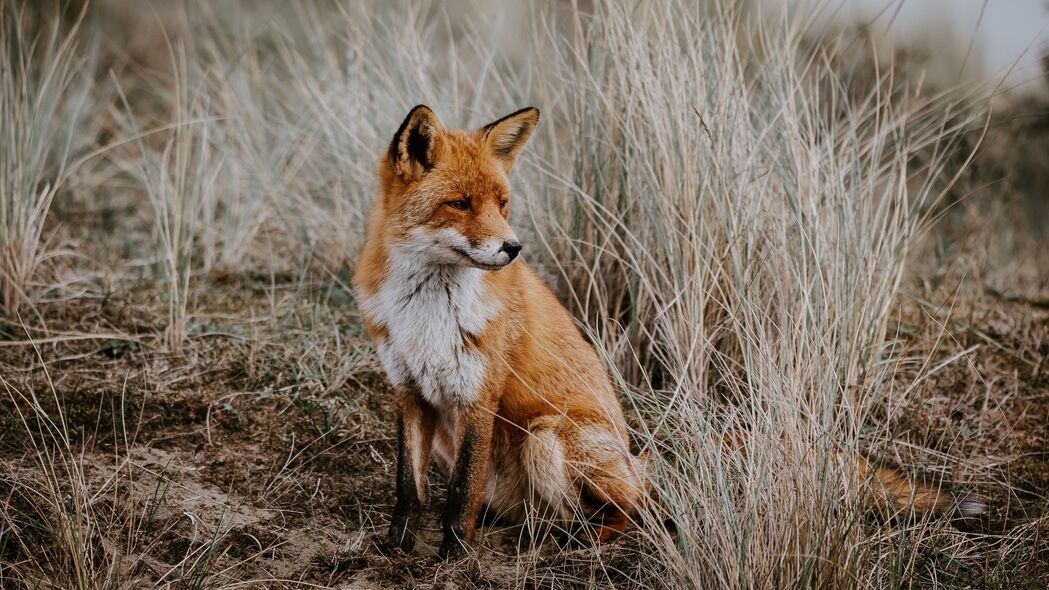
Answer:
(548, 421)
(888, 490)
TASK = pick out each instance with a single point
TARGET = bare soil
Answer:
(253, 454)
(263, 450)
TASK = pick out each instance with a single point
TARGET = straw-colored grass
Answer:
(734, 226)
(727, 204)
(43, 99)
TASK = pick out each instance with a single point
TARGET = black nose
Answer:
(512, 249)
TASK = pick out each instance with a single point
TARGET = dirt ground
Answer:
(264, 450)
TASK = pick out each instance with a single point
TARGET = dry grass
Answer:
(748, 222)
(43, 127)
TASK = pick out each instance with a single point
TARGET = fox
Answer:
(490, 375)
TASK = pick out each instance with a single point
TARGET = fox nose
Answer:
(512, 249)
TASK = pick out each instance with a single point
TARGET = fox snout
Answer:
(489, 254)
(492, 241)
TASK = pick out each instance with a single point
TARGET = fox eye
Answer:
(460, 204)
(503, 202)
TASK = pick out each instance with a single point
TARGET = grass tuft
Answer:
(44, 91)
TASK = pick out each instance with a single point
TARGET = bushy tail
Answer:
(891, 491)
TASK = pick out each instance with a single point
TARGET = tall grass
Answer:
(730, 222)
(42, 103)
(733, 224)
(180, 172)
(344, 96)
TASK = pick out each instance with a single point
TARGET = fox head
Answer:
(446, 193)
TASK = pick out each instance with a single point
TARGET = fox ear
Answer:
(417, 144)
(506, 137)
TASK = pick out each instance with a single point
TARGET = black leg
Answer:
(466, 488)
(415, 425)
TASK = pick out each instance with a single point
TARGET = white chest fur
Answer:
(430, 313)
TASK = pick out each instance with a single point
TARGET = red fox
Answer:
(490, 373)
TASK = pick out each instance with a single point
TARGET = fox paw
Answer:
(397, 539)
(452, 549)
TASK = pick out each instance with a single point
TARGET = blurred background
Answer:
(967, 40)
(1003, 41)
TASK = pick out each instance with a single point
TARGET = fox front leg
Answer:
(415, 428)
(466, 488)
